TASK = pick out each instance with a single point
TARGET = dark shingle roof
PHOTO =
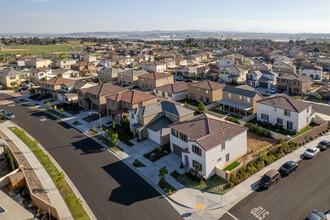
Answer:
(239, 91)
(174, 88)
(286, 102)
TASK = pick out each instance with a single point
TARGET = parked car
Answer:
(6, 115)
(269, 179)
(316, 215)
(323, 145)
(311, 152)
(273, 90)
(288, 168)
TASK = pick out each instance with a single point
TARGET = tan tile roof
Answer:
(286, 102)
(104, 89)
(156, 76)
(207, 84)
(57, 81)
(174, 88)
(207, 130)
(38, 70)
(132, 97)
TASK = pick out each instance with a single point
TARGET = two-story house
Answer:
(154, 66)
(175, 91)
(261, 78)
(38, 62)
(284, 67)
(205, 91)
(63, 63)
(152, 121)
(152, 80)
(206, 142)
(234, 74)
(119, 104)
(37, 74)
(10, 78)
(109, 75)
(130, 77)
(239, 101)
(324, 91)
(285, 111)
(53, 86)
(313, 72)
(69, 90)
(94, 97)
(293, 83)
(84, 67)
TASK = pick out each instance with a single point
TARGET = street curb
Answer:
(70, 183)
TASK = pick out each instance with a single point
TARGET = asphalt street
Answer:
(293, 197)
(111, 189)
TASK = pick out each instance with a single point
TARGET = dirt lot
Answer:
(255, 142)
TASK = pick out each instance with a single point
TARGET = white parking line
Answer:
(232, 216)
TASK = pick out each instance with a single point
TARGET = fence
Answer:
(5, 180)
(311, 133)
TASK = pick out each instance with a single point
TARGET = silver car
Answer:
(311, 152)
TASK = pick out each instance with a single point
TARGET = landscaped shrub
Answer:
(254, 128)
(232, 119)
(252, 169)
(233, 175)
(260, 165)
(261, 158)
(242, 169)
(266, 133)
(194, 174)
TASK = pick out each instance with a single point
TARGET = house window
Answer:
(280, 121)
(132, 116)
(289, 125)
(174, 132)
(175, 117)
(207, 100)
(219, 159)
(307, 109)
(229, 95)
(264, 117)
(223, 146)
(183, 137)
(227, 157)
(275, 109)
(114, 103)
(167, 114)
(197, 165)
(169, 94)
(193, 96)
(287, 113)
(206, 92)
(196, 150)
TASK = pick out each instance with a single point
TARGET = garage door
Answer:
(154, 136)
(263, 84)
(177, 150)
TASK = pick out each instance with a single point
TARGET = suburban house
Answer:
(10, 78)
(324, 91)
(313, 72)
(94, 97)
(38, 62)
(261, 78)
(205, 91)
(187, 71)
(152, 80)
(234, 74)
(53, 86)
(324, 62)
(206, 143)
(154, 66)
(130, 77)
(119, 104)
(109, 75)
(38, 74)
(284, 67)
(175, 91)
(293, 83)
(69, 90)
(239, 101)
(227, 61)
(284, 111)
(23, 61)
(152, 121)
(260, 66)
(84, 67)
(63, 63)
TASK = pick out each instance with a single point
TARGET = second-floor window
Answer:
(287, 113)
(196, 150)
(183, 137)
(174, 132)
(264, 117)
(223, 146)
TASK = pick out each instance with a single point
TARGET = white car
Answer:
(273, 90)
(311, 152)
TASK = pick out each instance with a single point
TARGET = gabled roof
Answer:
(155, 75)
(131, 97)
(240, 91)
(38, 70)
(133, 72)
(207, 130)
(174, 88)
(57, 81)
(292, 76)
(310, 68)
(104, 89)
(154, 63)
(325, 88)
(286, 102)
(11, 73)
(207, 84)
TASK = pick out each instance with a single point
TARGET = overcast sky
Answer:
(66, 16)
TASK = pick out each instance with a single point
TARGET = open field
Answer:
(40, 49)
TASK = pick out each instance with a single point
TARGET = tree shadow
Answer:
(87, 145)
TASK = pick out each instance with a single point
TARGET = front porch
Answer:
(235, 108)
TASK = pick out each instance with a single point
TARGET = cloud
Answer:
(37, 1)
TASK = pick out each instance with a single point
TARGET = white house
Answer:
(206, 142)
(313, 72)
(154, 66)
(226, 62)
(39, 73)
(261, 78)
(284, 111)
(176, 91)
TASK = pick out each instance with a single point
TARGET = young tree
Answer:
(89, 80)
(60, 75)
(319, 96)
(32, 91)
(62, 110)
(162, 172)
(201, 107)
(13, 84)
(113, 124)
(114, 139)
(94, 128)
(100, 82)
(47, 104)
(124, 122)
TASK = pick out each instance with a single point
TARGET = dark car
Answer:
(269, 179)
(323, 144)
(316, 215)
(288, 168)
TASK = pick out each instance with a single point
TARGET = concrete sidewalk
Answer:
(47, 183)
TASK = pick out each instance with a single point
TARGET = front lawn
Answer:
(71, 200)
(189, 102)
(211, 185)
(158, 153)
(231, 166)
(166, 187)
(235, 116)
(105, 141)
(138, 164)
(309, 127)
(219, 111)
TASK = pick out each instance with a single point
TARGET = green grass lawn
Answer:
(166, 187)
(156, 154)
(190, 102)
(219, 111)
(39, 49)
(309, 127)
(71, 200)
(211, 185)
(138, 163)
(105, 141)
(231, 166)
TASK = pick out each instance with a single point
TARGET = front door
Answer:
(186, 160)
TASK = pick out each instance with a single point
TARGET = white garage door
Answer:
(154, 136)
